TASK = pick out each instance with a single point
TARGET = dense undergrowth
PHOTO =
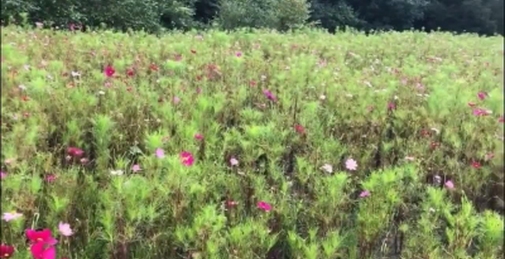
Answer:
(251, 145)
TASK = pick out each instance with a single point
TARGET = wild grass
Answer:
(251, 145)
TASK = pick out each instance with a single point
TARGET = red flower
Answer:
(153, 67)
(476, 165)
(109, 71)
(425, 133)
(300, 129)
(130, 72)
(75, 152)
(25, 98)
(230, 204)
(6, 251)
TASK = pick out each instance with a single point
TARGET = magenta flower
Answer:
(160, 153)
(264, 206)
(364, 194)
(9, 216)
(391, 106)
(269, 95)
(482, 95)
(136, 168)
(3, 175)
(187, 158)
(351, 164)
(64, 229)
(238, 54)
(41, 250)
(109, 71)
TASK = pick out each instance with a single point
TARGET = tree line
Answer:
(484, 17)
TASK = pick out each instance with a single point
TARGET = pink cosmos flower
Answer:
(269, 95)
(264, 206)
(160, 153)
(364, 194)
(481, 112)
(449, 185)
(476, 165)
(233, 161)
(8, 216)
(64, 229)
(37, 236)
(351, 164)
(231, 203)
(482, 95)
(187, 158)
(135, 168)
(198, 136)
(3, 175)
(6, 251)
(238, 54)
(49, 178)
(109, 71)
(75, 152)
(42, 250)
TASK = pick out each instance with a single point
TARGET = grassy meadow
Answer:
(251, 145)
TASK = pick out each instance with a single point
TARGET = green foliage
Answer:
(280, 15)
(253, 144)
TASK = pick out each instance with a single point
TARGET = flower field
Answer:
(251, 145)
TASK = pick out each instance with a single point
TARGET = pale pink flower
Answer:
(198, 136)
(351, 164)
(264, 206)
(8, 216)
(449, 185)
(2, 175)
(135, 168)
(233, 161)
(160, 153)
(64, 229)
(50, 178)
(364, 194)
(176, 100)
